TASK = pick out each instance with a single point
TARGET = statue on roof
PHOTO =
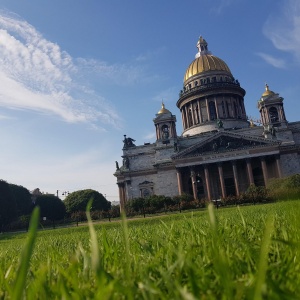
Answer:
(128, 142)
(220, 123)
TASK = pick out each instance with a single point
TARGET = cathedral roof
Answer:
(205, 61)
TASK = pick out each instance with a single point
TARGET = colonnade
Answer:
(211, 108)
(209, 179)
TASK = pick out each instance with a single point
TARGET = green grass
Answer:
(249, 252)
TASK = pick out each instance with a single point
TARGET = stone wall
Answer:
(290, 164)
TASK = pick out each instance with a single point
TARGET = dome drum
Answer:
(212, 126)
(222, 88)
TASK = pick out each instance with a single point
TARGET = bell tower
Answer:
(165, 126)
(271, 109)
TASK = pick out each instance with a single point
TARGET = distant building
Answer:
(220, 152)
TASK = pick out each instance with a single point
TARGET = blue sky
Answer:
(75, 76)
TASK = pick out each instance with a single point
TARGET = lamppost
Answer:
(63, 193)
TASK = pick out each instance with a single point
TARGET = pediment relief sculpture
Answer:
(222, 143)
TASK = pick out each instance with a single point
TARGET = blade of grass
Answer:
(20, 281)
(94, 243)
(263, 259)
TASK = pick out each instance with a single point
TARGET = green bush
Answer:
(285, 188)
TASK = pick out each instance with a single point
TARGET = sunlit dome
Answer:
(163, 110)
(267, 92)
(205, 61)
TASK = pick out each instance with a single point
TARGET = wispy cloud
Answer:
(37, 75)
(150, 54)
(149, 136)
(168, 95)
(275, 62)
(283, 28)
(220, 5)
(118, 74)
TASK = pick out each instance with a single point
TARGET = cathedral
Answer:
(220, 151)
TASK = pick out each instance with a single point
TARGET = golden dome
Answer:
(205, 63)
(163, 110)
(267, 92)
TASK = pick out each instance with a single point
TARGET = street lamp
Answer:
(63, 193)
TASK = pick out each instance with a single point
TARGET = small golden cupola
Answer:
(271, 109)
(267, 91)
(163, 110)
(165, 126)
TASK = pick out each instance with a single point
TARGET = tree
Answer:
(8, 208)
(51, 207)
(22, 198)
(77, 201)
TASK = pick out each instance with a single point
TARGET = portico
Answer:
(216, 179)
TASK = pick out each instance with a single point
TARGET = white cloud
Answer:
(150, 136)
(118, 74)
(167, 95)
(37, 75)
(221, 5)
(275, 62)
(283, 28)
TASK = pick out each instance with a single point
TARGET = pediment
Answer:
(224, 142)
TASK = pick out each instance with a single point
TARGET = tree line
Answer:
(17, 203)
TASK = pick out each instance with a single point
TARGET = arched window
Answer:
(165, 132)
(228, 111)
(273, 114)
(197, 115)
(212, 110)
(223, 109)
(235, 109)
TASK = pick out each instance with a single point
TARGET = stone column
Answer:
(200, 112)
(179, 181)
(264, 170)
(249, 171)
(186, 117)
(207, 110)
(183, 119)
(157, 132)
(121, 196)
(194, 183)
(217, 108)
(192, 113)
(207, 182)
(221, 177)
(236, 179)
(278, 166)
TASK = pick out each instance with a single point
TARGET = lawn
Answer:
(249, 252)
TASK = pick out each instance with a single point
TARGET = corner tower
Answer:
(165, 126)
(210, 93)
(271, 109)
